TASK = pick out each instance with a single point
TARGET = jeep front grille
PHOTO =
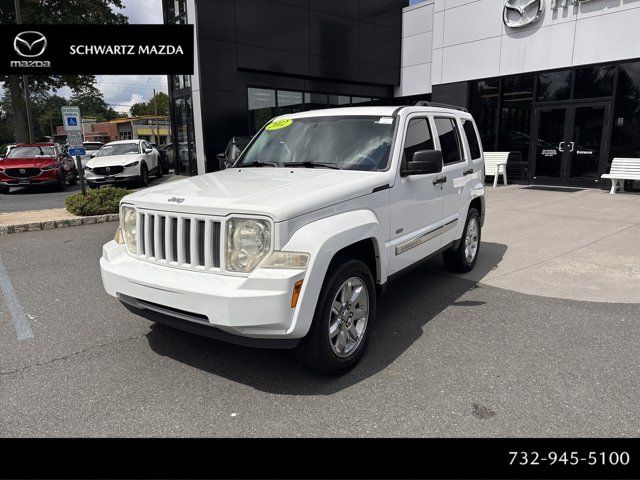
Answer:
(187, 241)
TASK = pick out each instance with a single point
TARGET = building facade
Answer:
(259, 58)
(153, 129)
(556, 81)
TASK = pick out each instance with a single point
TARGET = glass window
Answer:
(184, 148)
(347, 142)
(625, 140)
(554, 86)
(315, 101)
(472, 139)
(594, 82)
(515, 123)
(449, 140)
(339, 100)
(262, 107)
(418, 137)
(289, 102)
(357, 100)
(483, 105)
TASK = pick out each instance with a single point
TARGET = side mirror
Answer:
(221, 156)
(93, 155)
(423, 162)
(148, 150)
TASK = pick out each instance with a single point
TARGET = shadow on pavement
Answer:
(409, 305)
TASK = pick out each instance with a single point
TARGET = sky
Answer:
(122, 91)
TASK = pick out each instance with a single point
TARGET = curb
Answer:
(50, 225)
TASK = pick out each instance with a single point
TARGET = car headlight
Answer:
(49, 167)
(132, 164)
(287, 260)
(88, 169)
(248, 242)
(129, 229)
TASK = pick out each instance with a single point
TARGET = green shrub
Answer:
(96, 202)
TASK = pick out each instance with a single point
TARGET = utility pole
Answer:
(25, 80)
(155, 108)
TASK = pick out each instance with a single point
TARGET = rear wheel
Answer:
(144, 175)
(346, 309)
(159, 172)
(463, 258)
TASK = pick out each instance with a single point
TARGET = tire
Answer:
(4, 190)
(93, 186)
(159, 171)
(321, 351)
(463, 258)
(144, 175)
(73, 181)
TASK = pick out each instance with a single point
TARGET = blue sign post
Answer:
(77, 151)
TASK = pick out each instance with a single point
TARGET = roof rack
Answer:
(424, 103)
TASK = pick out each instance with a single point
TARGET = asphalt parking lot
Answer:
(449, 357)
(25, 199)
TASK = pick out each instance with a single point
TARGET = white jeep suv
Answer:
(292, 246)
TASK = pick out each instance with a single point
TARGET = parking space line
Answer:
(13, 304)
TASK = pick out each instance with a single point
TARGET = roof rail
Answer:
(424, 103)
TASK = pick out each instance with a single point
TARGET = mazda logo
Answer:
(108, 169)
(23, 171)
(520, 13)
(30, 44)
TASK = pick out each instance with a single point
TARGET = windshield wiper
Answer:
(331, 165)
(259, 163)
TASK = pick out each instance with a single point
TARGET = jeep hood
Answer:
(280, 193)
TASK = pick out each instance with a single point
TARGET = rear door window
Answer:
(472, 138)
(449, 140)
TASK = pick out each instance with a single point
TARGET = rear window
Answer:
(472, 138)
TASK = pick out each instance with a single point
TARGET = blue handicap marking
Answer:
(77, 151)
(72, 121)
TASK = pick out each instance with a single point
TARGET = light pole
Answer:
(25, 80)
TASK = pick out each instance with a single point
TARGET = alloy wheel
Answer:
(349, 317)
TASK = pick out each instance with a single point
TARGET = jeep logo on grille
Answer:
(176, 200)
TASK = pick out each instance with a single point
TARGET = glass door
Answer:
(549, 145)
(588, 144)
(570, 144)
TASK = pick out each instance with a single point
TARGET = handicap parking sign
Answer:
(72, 121)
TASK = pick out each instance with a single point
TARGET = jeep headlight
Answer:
(129, 229)
(248, 242)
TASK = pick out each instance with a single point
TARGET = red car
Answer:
(37, 164)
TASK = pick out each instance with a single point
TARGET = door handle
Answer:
(561, 146)
(572, 146)
(440, 180)
(468, 172)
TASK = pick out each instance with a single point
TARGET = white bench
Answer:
(495, 164)
(623, 169)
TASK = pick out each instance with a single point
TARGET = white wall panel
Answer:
(549, 47)
(417, 49)
(418, 19)
(481, 57)
(416, 80)
(438, 29)
(473, 21)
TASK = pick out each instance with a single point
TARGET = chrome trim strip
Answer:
(413, 243)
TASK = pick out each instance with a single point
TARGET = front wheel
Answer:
(344, 314)
(159, 171)
(144, 175)
(463, 258)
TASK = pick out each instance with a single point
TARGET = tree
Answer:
(92, 104)
(147, 108)
(53, 12)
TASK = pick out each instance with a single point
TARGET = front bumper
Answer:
(116, 179)
(45, 178)
(254, 307)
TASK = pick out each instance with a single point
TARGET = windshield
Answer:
(25, 152)
(351, 143)
(119, 149)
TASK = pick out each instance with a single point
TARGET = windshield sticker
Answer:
(279, 124)
(385, 120)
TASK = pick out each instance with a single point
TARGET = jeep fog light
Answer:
(248, 242)
(129, 227)
(287, 260)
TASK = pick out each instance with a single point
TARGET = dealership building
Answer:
(556, 82)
